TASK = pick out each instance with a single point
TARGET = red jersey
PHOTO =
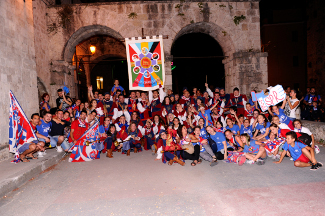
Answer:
(79, 128)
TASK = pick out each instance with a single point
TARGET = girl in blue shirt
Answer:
(253, 150)
(233, 128)
(263, 126)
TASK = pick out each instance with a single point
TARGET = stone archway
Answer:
(245, 69)
(84, 33)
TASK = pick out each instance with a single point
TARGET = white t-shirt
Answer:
(303, 130)
(291, 112)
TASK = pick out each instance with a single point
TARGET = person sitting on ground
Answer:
(43, 129)
(149, 136)
(262, 128)
(78, 127)
(36, 145)
(303, 156)
(110, 140)
(315, 113)
(253, 150)
(185, 141)
(134, 138)
(57, 132)
(233, 140)
(206, 152)
(232, 127)
(163, 152)
(220, 142)
(300, 129)
(247, 128)
(122, 133)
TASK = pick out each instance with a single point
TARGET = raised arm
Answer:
(209, 90)
(214, 105)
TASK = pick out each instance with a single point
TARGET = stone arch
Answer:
(84, 33)
(211, 29)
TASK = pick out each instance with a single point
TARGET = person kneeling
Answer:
(302, 155)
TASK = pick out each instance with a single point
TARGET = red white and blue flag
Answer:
(81, 151)
(20, 130)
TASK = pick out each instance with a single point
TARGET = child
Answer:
(233, 128)
(272, 145)
(246, 128)
(254, 151)
(262, 127)
(301, 154)
(117, 87)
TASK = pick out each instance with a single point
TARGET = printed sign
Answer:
(275, 95)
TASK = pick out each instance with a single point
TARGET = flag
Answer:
(145, 59)
(20, 130)
(81, 151)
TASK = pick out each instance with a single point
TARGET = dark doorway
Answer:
(192, 72)
(108, 70)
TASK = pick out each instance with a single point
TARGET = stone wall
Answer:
(17, 61)
(215, 18)
(41, 48)
(316, 45)
(317, 128)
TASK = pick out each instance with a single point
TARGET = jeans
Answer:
(54, 140)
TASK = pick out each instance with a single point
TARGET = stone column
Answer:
(247, 71)
(168, 72)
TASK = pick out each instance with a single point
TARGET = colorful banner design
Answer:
(86, 149)
(276, 95)
(20, 130)
(145, 63)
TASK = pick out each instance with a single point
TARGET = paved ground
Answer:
(138, 185)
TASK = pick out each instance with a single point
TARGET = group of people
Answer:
(210, 126)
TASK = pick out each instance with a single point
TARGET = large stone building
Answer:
(42, 43)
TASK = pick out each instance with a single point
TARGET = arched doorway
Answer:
(106, 71)
(197, 56)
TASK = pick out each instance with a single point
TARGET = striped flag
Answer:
(20, 130)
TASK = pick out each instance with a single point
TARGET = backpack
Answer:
(304, 138)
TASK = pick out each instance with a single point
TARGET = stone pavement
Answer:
(138, 185)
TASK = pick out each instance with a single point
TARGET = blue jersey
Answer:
(219, 138)
(117, 88)
(248, 130)
(294, 151)
(252, 148)
(234, 129)
(283, 117)
(102, 129)
(262, 129)
(203, 133)
(44, 128)
(206, 113)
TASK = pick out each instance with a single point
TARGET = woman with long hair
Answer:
(188, 139)
(111, 138)
(262, 127)
(45, 102)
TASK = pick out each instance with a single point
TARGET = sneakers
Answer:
(241, 160)
(313, 167)
(319, 165)
(59, 149)
(44, 152)
(273, 157)
(260, 162)
(291, 158)
(250, 162)
(40, 154)
(317, 150)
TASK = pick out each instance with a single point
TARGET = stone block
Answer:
(244, 27)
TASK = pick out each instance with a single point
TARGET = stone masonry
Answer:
(245, 65)
(17, 63)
